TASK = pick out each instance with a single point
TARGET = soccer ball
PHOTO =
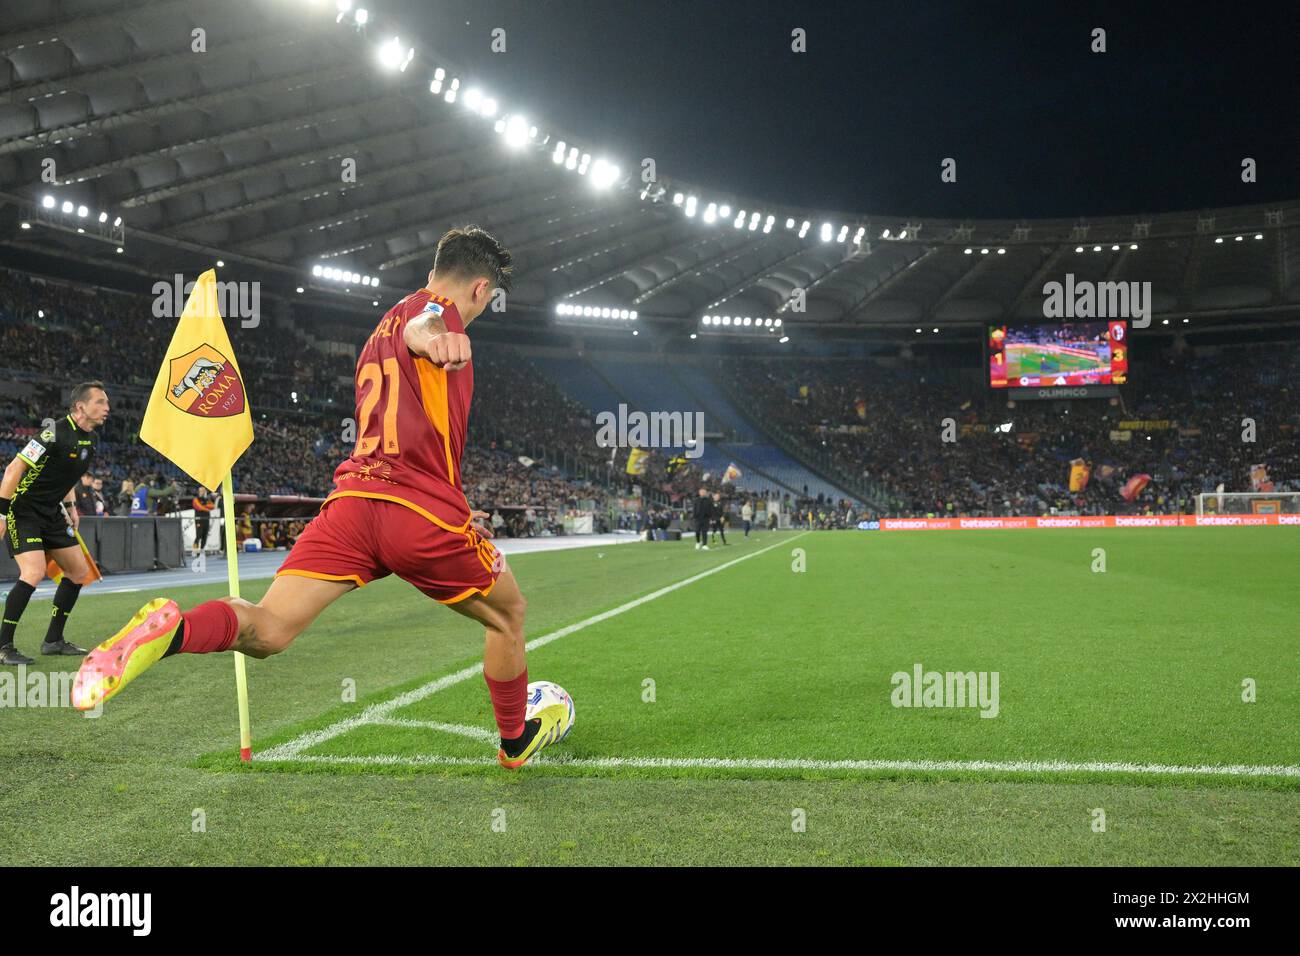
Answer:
(543, 694)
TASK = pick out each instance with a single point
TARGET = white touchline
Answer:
(755, 763)
(292, 750)
(463, 730)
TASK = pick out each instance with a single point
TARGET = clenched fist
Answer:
(449, 350)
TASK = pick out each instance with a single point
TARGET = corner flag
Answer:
(198, 413)
(198, 418)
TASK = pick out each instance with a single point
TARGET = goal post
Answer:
(1248, 503)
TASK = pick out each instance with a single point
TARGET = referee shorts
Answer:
(31, 528)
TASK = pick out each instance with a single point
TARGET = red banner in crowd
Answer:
(1133, 487)
(1084, 521)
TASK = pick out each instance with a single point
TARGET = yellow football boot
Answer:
(127, 654)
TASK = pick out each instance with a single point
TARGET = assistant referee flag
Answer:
(198, 414)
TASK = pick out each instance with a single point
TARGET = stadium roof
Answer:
(239, 151)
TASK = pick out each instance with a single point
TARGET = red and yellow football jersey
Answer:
(411, 420)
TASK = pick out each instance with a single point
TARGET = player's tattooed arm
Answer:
(428, 336)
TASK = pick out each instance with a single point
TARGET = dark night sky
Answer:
(1039, 125)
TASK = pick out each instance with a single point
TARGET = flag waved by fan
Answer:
(1133, 487)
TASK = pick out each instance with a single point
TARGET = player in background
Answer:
(39, 518)
(398, 508)
(716, 513)
(202, 503)
(702, 515)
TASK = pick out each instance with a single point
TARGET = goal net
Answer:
(1248, 503)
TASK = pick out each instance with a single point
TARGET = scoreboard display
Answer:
(1058, 355)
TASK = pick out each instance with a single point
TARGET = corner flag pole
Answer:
(232, 571)
(198, 419)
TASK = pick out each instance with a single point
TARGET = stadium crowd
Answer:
(533, 458)
(1186, 415)
(72, 333)
(52, 335)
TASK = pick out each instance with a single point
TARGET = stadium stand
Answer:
(889, 457)
(702, 385)
(1193, 406)
(573, 376)
(732, 321)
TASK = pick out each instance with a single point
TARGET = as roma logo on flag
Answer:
(205, 383)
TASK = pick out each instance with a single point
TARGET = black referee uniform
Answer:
(35, 521)
(715, 516)
(703, 514)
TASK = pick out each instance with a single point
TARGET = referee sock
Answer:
(15, 604)
(509, 703)
(64, 598)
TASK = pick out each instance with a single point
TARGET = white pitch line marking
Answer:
(1008, 766)
(292, 749)
(463, 730)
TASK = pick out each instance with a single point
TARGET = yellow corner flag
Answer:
(198, 418)
(198, 413)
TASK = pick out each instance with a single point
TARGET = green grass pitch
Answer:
(742, 717)
(1029, 359)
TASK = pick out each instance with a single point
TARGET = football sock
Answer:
(64, 598)
(515, 745)
(177, 640)
(212, 626)
(509, 703)
(15, 604)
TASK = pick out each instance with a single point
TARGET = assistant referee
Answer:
(39, 519)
